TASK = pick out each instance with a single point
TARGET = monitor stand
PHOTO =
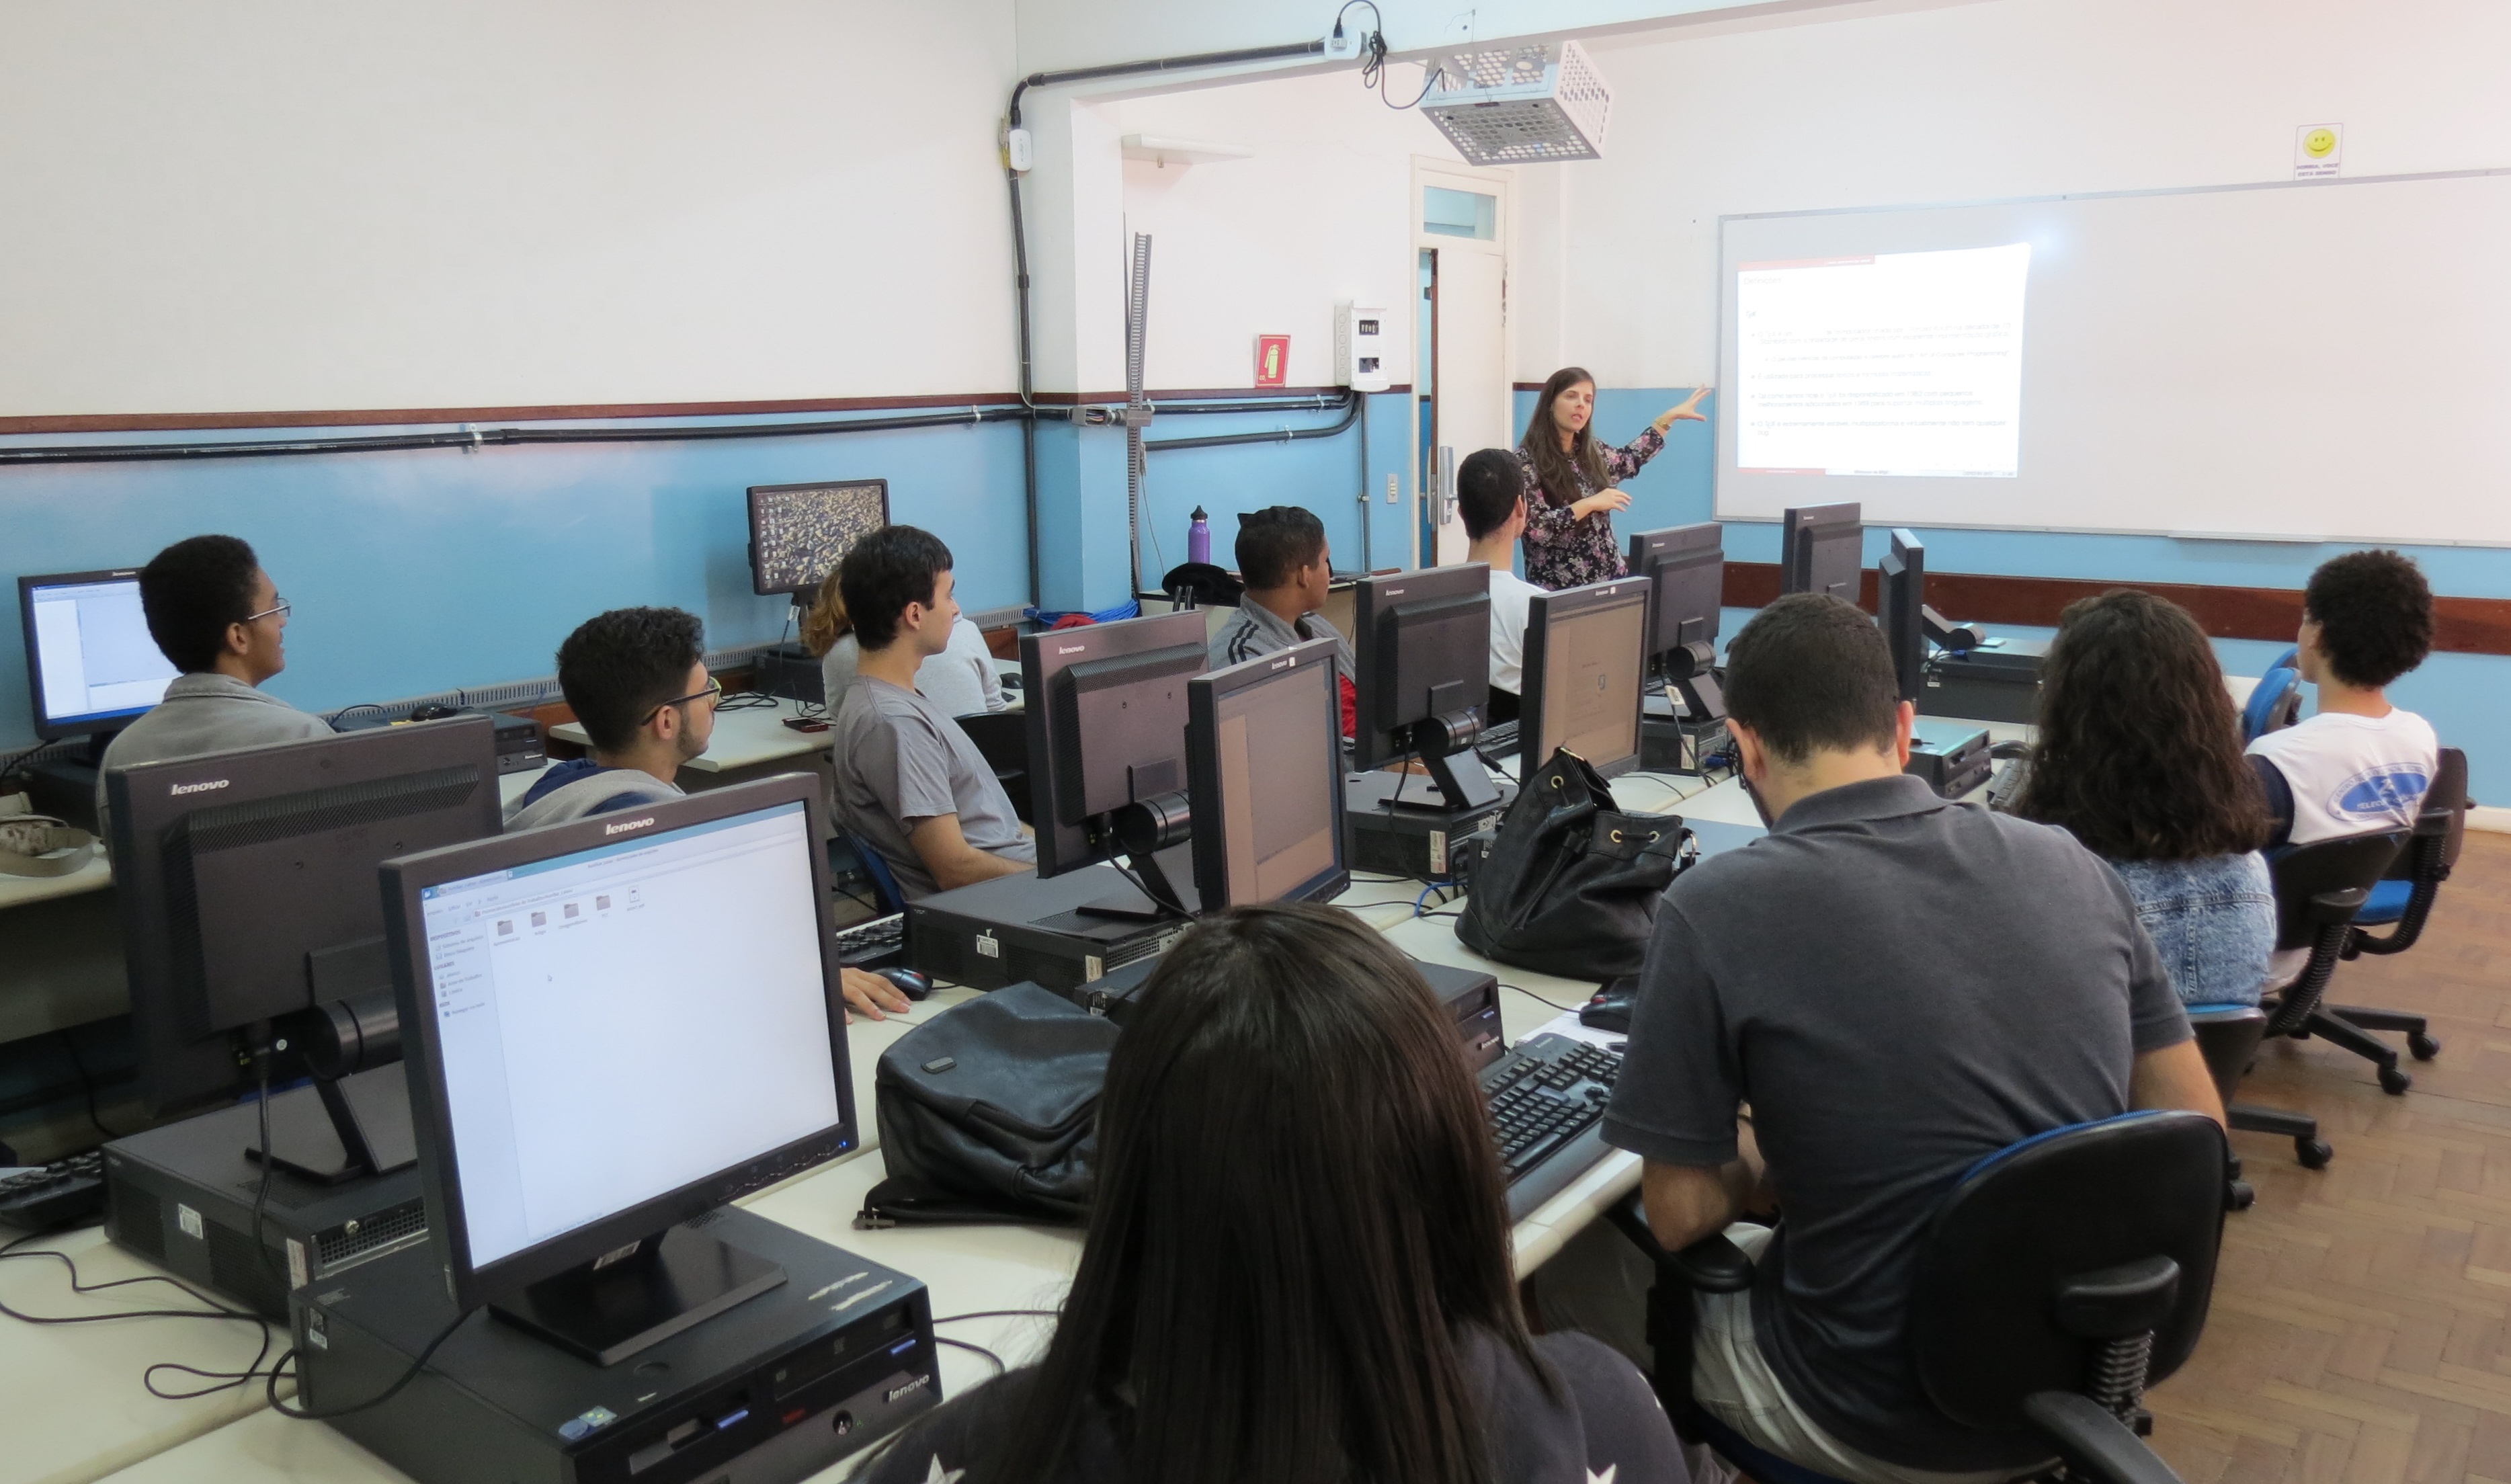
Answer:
(1169, 873)
(354, 1126)
(641, 1295)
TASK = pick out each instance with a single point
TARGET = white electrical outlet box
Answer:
(1343, 43)
(1019, 150)
(1360, 338)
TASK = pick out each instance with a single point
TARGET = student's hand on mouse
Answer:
(1690, 411)
(870, 994)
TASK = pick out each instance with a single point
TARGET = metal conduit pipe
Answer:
(1351, 416)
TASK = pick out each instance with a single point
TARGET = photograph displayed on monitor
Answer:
(798, 533)
(90, 661)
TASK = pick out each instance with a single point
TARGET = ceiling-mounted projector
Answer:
(1522, 104)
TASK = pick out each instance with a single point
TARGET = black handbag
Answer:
(989, 1113)
(1571, 885)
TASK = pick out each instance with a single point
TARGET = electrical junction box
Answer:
(1360, 338)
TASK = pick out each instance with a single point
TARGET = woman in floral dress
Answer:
(1571, 478)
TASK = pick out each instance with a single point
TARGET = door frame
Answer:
(1453, 175)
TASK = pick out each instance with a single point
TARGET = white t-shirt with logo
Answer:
(1510, 603)
(2351, 774)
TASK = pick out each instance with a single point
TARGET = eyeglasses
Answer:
(281, 609)
(713, 693)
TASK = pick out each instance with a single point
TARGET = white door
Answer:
(1460, 217)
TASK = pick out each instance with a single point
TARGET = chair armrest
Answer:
(1711, 1265)
(2095, 1444)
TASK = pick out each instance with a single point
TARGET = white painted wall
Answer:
(1980, 102)
(1268, 245)
(295, 204)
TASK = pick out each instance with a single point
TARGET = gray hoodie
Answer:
(200, 714)
(573, 790)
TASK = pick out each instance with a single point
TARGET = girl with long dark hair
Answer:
(1571, 478)
(2139, 758)
(1297, 1266)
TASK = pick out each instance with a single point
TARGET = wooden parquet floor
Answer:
(2357, 1335)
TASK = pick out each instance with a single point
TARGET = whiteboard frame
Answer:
(1717, 426)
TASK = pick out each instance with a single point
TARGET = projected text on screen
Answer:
(1902, 363)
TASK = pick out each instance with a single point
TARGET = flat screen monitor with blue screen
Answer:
(90, 662)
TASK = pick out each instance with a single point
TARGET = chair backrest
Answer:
(2274, 703)
(1985, 1325)
(2227, 1036)
(1002, 737)
(2313, 881)
(884, 884)
(2444, 815)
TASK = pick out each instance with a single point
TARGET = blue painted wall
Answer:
(414, 572)
(2467, 697)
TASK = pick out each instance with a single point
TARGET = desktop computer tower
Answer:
(1384, 831)
(790, 673)
(1952, 755)
(1997, 681)
(774, 1389)
(182, 1197)
(1017, 927)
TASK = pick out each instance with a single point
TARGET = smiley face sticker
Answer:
(2317, 149)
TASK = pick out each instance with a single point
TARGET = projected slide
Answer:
(1898, 363)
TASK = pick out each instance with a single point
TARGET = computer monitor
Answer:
(1421, 643)
(1825, 549)
(798, 533)
(90, 662)
(247, 890)
(587, 1072)
(1687, 569)
(1264, 753)
(1106, 709)
(1900, 601)
(1585, 651)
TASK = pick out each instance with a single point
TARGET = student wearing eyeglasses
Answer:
(638, 683)
(219, 618)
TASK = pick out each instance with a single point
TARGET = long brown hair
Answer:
(1542, 443)
(826, 621)
(1298, 1221)
(2140, 750)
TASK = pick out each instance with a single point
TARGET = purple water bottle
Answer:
(1198, 539)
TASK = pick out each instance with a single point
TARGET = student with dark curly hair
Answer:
(2139, 758)
(638, 683)
(1297, 1264)
(2359, 764)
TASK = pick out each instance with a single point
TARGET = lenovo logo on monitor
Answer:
(178, 789)
(645, 823)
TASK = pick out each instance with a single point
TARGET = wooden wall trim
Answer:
(159, 422)
(2461, 625)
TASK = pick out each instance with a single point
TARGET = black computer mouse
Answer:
(909, 982)
(1610, 1009)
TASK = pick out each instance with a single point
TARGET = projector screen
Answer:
(2313, 361)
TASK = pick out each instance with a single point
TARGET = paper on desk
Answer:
(1567, 1023)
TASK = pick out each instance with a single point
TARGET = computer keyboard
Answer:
(58, 1193)
(877, 944)
(1497, 742)
(1547, 1104)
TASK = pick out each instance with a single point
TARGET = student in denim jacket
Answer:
(2139, 757)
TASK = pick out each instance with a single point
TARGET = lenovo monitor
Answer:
(1264, 752)
(248, 888)
(1106, 711)
(1686, 571)
(1585, 651)
(90, 666)
(1901, 609)
(1824, 549)
(798, 533)
(1421, 644)
(587, 1073)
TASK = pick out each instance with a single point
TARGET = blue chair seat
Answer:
(2386, 904)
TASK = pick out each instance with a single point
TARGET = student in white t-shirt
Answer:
(1491, 497)
(2358, 764)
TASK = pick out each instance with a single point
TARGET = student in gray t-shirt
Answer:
(1899, 986)
(910, 784)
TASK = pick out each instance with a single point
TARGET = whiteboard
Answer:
(2310, 361)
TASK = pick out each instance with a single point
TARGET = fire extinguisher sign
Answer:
(1272, 360)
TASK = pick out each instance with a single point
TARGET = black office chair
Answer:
(848, 856)
(1202, 585)
(2319, 887)
(1003, 737)
(2228, 1036)
(2403, 899)
(2060, 1277)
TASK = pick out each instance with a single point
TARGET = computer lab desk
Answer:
(77, 1410)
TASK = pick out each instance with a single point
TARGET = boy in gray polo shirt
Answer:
(910, 784)
(1900, 987)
